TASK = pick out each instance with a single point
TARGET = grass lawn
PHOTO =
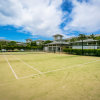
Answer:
(48, 76)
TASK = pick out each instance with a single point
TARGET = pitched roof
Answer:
(58, 43)
(87, 40)
(57, 35)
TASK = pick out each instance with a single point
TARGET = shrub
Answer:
(89, 52)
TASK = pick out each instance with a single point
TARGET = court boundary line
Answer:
(58, 69)
(32, 67)
(3, 84)
(11, 67)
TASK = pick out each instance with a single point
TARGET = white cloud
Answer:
(85, 16)
(2, 37)
(39, 17)
(43, 17)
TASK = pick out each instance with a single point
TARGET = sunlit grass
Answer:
(77, 80)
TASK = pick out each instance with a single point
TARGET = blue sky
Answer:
(40, 19)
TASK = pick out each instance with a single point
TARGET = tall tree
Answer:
(0, 45)
(92, 36)
(3, 44)
(73, 40)
(82, 37)
(33, 43)
(47, 41)
(98, 38)
(12, 43)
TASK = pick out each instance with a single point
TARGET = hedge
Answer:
(88, 52)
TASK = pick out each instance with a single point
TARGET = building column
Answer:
(60, 49)
(52, 47)
(48, 48)
(56, 48)
(87, 43)
(96, 43)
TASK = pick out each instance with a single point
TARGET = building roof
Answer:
(58, 43)
(57, 35)
(21, 43)
(97, 35)
(29, 39)
(39, 40)
(87, 40)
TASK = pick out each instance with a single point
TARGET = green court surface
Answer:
(48, 76)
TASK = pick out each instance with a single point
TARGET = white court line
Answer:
(29, 65)
(59, 69)
(11, 67)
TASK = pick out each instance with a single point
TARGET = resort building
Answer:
(87, 44)
(59, 43)
(21, 44)
(28, 40)
(39, 42)
(56, 45)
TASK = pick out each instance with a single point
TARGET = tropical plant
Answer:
(93, 37)
(98, 38)
(82, 37)
(33, 43)
(47, 41)
(12, 43)
(73, 40)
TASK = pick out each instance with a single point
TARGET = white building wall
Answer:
(84, 47)
(46, 49)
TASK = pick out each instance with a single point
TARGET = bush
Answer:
(16, 50)
(88, 52)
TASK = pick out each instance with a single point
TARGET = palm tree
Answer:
(98, 38)
(82, 37)
(93, 37)
(0, 46)
(73, 39)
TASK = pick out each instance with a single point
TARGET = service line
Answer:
(29, 65)
(79, 65)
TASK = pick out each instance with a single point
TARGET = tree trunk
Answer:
(94, 47)
(82, 47)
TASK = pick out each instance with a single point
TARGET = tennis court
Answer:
(48, 76)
